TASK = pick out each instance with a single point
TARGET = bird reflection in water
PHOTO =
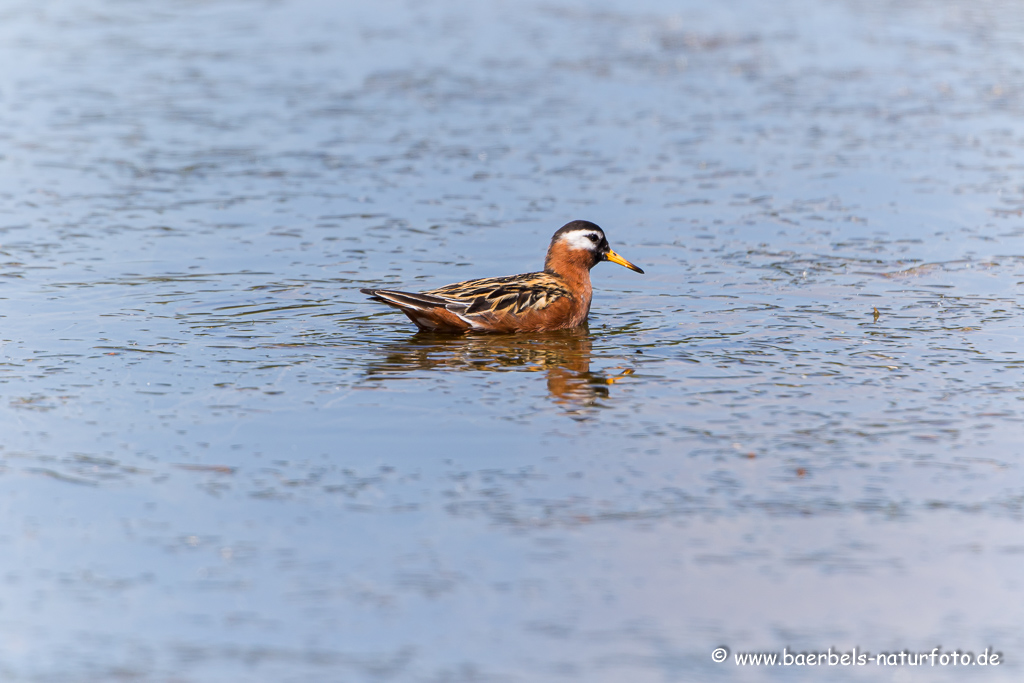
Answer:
(564, 355)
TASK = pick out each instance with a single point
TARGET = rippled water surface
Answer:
(801, 428)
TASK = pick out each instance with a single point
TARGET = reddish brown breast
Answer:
(573, 266)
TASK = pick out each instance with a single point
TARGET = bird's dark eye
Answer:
(593, 238)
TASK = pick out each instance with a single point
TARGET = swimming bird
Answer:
(558, 297)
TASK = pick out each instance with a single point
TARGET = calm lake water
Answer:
(801, 428)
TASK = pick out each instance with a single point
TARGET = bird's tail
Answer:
(413, 300)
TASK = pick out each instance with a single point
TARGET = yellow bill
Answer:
(615, 258)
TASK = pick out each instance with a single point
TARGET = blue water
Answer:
(801, 428)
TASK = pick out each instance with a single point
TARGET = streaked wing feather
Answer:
(516, 293)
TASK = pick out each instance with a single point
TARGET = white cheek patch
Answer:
(581, 240)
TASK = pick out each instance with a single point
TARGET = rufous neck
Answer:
(571, 264)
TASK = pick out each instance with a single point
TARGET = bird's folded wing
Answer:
(516, 294)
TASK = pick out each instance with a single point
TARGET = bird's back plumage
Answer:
(516, 294)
